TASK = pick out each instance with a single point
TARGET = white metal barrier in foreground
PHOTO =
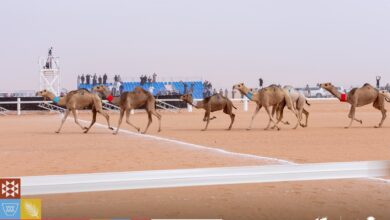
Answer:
(40, 185)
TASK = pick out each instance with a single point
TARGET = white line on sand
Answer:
(216, 150)
(75, 183)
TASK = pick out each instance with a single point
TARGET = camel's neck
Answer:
(112, 99)
(245, 91)
(195, 104)
(334, 92)
(61, 101)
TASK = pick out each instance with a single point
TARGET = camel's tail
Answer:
(307, 103)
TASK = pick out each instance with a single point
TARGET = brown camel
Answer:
(213, 103)
(132, 100)
(74, 100)
(358, 97)
(267, 97)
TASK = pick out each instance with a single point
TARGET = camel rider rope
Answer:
(56, 99)
(249, 95)
(343, 97)
(110, 98)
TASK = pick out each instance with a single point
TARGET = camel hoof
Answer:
(346, 127)
(57, 132)
(248, 129)
(378, 126)
(85, 132)
(159, 130)
(361, 122)
(111, 128)
(203, 130)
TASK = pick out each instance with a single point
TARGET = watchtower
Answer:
(49, 76)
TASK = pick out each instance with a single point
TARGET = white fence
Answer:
(244, 101)
(75, 183)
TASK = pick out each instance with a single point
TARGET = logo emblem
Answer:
(9, 209)
(30, 209)
(10, 188)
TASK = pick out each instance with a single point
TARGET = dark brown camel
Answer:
(213, 103)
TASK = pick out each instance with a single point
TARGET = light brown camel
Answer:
(74, 100)
(298, 100)
(358, 97)
(210, 104)
(139, 98)
(267, 97)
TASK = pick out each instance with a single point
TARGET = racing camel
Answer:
(128, 101)
(74, 100)
(267, 97)
(210, 104)
(358, 97)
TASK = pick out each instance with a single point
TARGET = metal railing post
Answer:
(245, 104)
(18, 107)
(189, 107)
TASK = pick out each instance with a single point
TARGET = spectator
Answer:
(78, 81)
(150, 79)
(121, 89)
(154, 77)
(88, 79)
(82, 79)
(105, 79)
(387, 87)
(215, 91)
(221, 91)
(115, 78)
(185, 88)
(233, 93)
(192, 88)
(100, 80)
(226, 93)
(94, 80)
(119, 78)
(261, 82)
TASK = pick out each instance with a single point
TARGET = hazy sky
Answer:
(283, 41)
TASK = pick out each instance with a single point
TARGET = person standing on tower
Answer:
(105, 78)
(261, 82)
(82, 79)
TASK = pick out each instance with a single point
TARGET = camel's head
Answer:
(99, 88)
(239, 86)
(326, 85)
(43, 93)
(187, 98)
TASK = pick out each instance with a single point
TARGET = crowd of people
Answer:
(148, 79)
(89, 79)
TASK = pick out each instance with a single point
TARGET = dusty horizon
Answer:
(225, 42)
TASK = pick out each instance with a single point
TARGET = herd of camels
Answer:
(272, 96)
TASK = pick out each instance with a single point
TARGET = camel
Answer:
(210, 104)
(267, 97)
(129, 101)
(74, 100)
(298, 100)
(358, 97)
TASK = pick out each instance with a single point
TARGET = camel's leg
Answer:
(352, 116)
(77, 121)
(93, 120)
(128, 120)
(271, 119)
(304, 111)
(280, 115)
(208, 119)
(299, 116)
(155, 113)
(107, 116)
(253, 116)
(63, 121)
(228, 111)
(383, 110)
(149, 121)
(122, 113)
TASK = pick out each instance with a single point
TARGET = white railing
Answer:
(94, 182)
(111, 107)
